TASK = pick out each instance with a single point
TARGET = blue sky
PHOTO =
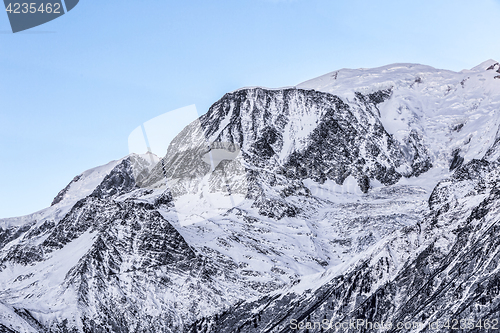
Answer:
(72, 90)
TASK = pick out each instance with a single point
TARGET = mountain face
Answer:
(362, 196)
(310, 134)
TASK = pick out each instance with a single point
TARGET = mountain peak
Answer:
(485, 65)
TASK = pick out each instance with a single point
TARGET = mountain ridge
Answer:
(339, 184)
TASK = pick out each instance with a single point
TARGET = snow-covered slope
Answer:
(333, 179)
(80, 187)
(451, 112)
(441, 273)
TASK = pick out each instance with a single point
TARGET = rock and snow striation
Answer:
(365, 194)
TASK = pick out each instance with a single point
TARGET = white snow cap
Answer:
(484, 65)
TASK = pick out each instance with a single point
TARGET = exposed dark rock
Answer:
(457, 160)
(61, 194)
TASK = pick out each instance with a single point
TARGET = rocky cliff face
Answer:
(290, 135)
(363, 195)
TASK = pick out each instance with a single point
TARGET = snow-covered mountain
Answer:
(362, 194)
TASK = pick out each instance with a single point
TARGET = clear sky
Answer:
(72, 90)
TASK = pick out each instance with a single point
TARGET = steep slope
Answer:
(450, 275)
(80, 187)
(287, 136)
